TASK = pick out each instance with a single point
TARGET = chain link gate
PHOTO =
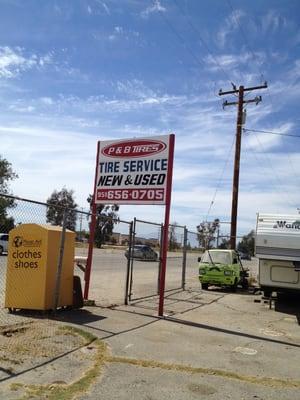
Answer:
(109, 271)
(193, 252)
(144, 260)
(176, 258)
(143, 274)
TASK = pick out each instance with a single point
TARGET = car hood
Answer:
(216, 266)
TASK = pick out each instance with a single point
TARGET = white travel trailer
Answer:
(277, 246)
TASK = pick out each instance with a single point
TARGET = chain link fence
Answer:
(125, 264)
(121, 271)
(29, 333)
(27, 252)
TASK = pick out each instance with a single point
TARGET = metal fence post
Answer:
(60, 260)
(160, 249)
(130, 253)
(131, 259)
(185, 237)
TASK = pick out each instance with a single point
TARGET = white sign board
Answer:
(133, 171)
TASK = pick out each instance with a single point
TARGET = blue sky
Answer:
(74, 72)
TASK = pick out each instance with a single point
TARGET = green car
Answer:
(222, 268)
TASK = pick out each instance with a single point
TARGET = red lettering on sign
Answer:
(134, 148)
(131, 195)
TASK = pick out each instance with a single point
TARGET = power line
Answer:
(203, 41)
(271, 133)
(187, 47)
(267, 172)
(254, 56)
(220, 180)
(280, 134)
(273, 169)
(243, 34)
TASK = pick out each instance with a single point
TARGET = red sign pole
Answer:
(87, 274)
(166, 227)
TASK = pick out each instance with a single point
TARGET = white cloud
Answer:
(13, 61)
(117, 33)
(294, 72)
(273, 21)
(233, 60)
(155, 8)
(230, 25)
(46, 59)
(25, 109)
(46, 100)
(104, 5)
(97, 7)
(55, 157)
(42, 154)
(56, 148)
(265, 142)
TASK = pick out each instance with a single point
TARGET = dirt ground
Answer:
(39, 357)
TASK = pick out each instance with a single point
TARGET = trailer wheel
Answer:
(267, 292)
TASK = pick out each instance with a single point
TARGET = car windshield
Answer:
(217, 257)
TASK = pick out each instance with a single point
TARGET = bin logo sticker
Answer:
(17, 242)
(26, 256)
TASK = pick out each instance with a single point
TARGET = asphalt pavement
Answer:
(210, 344)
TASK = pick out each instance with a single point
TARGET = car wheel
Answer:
(204, 286)
(245, 283)
(234, 286)
(1, 250)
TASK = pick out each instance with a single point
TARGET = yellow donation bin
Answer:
(33, 256)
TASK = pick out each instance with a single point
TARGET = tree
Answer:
(246, 245)
(57, 202)
(106, 218)
(225, 244)
(173, 243)
(206, 232)
(6, 174)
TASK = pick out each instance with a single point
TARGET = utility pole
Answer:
(236, 172)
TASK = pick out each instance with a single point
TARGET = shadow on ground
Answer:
(288, 304)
